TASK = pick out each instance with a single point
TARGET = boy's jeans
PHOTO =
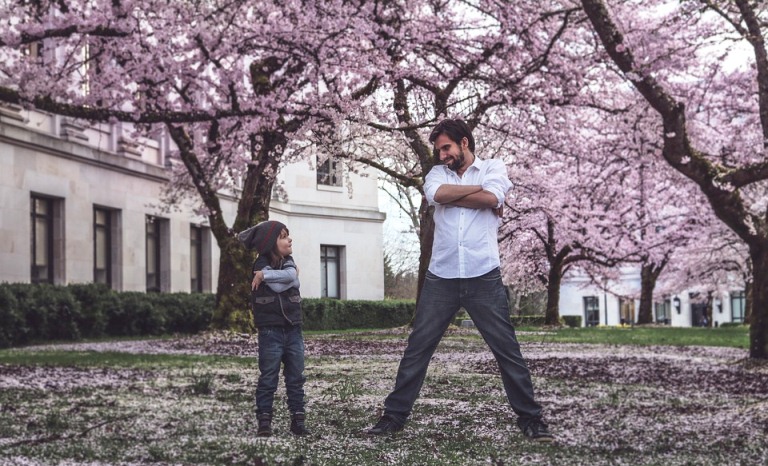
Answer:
(485, 300)
(280, 345)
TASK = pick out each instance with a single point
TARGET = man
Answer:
(468, 195)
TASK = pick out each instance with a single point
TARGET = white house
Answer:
(596, 306)
(80, 203)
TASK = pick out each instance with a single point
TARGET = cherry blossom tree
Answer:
(231, 82)
(577, 197)
(479, 59)
(714, 116)
(716, 264)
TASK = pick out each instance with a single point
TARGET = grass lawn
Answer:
(736, 337)
(641, 396)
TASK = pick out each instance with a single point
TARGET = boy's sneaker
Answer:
(265, 424)
(387, 425)
(535, 429)
(297, 424)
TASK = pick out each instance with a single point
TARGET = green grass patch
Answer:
(122, 360)
(84, 407)
(734, 337)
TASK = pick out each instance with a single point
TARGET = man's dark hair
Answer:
(456, 130)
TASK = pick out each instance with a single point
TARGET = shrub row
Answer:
(572, 321)
(39, 312)
(332, 314)
(538, 320)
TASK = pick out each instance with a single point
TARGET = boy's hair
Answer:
(456, 129)
(275, 261)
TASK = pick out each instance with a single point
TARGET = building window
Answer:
(329, 172)
(102, 246)
(92, 68)
(591, 311)
(663, 312)
(627, 311)
(33, 50)
(42, 240)
(153, 253)
(196, 259)
(738, 303)
(698, 308)
(330, 271)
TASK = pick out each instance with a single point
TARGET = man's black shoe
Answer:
(386, 425)
(535, 429)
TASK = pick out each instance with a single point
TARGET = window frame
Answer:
(627, 311)
(153, 281)
(324, 260)
(196, 258)
(591, 306)
(48, 220)
(738, 296)
(663, 309)
(329, 172)
(107, 229)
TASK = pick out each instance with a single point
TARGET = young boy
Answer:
(276, 304)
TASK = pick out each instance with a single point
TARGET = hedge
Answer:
(572, 321)
(332, 314)
(40, 312)
(31, 313)
(532, 320)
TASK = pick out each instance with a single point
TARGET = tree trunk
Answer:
(647, 284)
(233, 290)
(758, 329)
(552, 314)
(748, 301)
(426, 238)
(233, 308)
(649, 275)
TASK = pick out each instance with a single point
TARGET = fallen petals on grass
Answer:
(606, 404)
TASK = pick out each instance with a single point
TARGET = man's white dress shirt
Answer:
(466, 240)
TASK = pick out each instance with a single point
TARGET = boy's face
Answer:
(284, 244)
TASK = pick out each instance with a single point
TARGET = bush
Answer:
(47, 312)
(136, 316)
(184, 312)
(332, 314)
(731, 324)
(528, 321)
(40, 312)
(532, 321)
(572, 321)
(97, 302)
(12, 324)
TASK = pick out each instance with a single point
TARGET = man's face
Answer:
(450, 153)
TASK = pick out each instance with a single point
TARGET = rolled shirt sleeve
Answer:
(496, 180)
(435, 178)
(283, 279)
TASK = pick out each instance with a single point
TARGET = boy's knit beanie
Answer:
(261, 237)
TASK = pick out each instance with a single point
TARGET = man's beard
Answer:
(457, 162)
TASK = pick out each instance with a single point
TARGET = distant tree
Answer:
(400, 284)
(714, 117)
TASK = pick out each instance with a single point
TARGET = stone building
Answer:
(81, 203)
